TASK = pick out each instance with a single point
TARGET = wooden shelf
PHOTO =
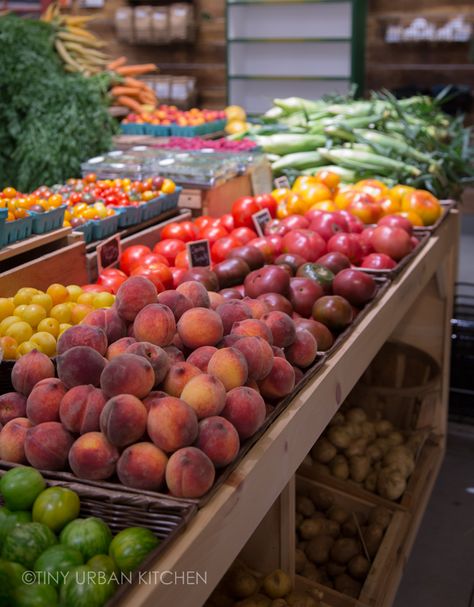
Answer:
(18, 248)
(418, 305)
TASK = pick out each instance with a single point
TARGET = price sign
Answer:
(260, 220)
(199, 253)
(282, 182)
(108, 252)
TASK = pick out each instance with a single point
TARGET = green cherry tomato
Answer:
(20, 487)
(56, 507)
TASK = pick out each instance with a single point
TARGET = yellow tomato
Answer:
(44, 300)
(377, 189)
(20, 331)
(424, 204)
(316, 192)
(302, 182)
(168, 186)
(296, 205)
(282, 210)
(61, 312)
(86, 298)
(8, 346)
(54, 201)
(49, 325)
(79, 312)
(324, 205)
(74, 292)
(45, 342)
(26, 346)
(398, 192)
(389, 206)
(58, 293)
(412, 217)
(329, 179)
(7, 322)
(9, 192)
(280, 194)
(344, 197)
(64, 326)
(103, 300)
(235, 112)
(24, 295)
(6, 307)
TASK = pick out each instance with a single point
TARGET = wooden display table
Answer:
(416, 309)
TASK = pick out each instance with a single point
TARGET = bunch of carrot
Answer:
(128, 91)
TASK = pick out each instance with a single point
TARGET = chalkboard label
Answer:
(260, 220)
(108, 252)
(199, 253)
(282, 182)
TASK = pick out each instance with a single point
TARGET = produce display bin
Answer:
(128, 216)
(13, 231)
(159, 205)
(98, 229)
(133, 129)
(49, 220)
(160, 130)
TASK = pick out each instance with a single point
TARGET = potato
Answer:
(317, 549)
(300, 560)
(373, 535)
(304, 506)
(323, 451)
(301, 545)
(353, 429)
(333, 528)
(301, 599)
(279, 603)
(374, 452)
(219, 599)
(335, 569)
(340, 467)
(322, 499)
(357, 447)
(319, 468)
(337, 420)
(339, 437)
(383, 427)
(338, 514)
(344, 549)
(257, 600)
(391, 484)
(299, 518)
(395, 438)
(415, 441)
(308, 461)
(358, 567)
(370, 483)
(359, 466)
(276, 584)
(349, 528)
(311, 528)
(242, 584)
(400, 458)
(345, 584)
(311, 572)
(380, 516)
(383, 444)
(368, 431)
(356, 414)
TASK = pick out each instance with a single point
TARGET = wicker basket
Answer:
(402, 383)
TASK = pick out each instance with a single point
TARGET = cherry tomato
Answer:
(132, 256)
(243, 209)
(266, 201)
(169, 248)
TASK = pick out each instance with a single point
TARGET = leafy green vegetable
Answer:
(50, 121)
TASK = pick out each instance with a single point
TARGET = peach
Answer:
(298, 375)
(219, 440)
(200, 358)
(130, 331)
(128, 374)
(155, 323)
(178, 376)
(228, 341)
(123, 420)
(258, 354)
(280, 381)
(172, 424)
(200, 327)
(178, 343)
(80, 409)
(133, 295)
(233, 311)
(229, 365)
(176, 302)
(92, 457)
(81, 365)
(155, 355)
(142, 466)
(205, 394)
(152, 397)
(47, 446)
(258, 307)
(44, 400)
(278, 352)
(29, 370)
(245, 410)
(252, 327)
(189, 473)
(196, 292)
(12, 404)
(215, 299)
(282, 328)
(109, 321)
(119, 347)
(83, 335)
(175, 355)
(251, 383)
(303, 350)
(12, 440)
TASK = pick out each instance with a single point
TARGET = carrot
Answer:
(148, 99)
(136, 70)
(139, 84)
(113, 65)
(129, 103)
(128, 91)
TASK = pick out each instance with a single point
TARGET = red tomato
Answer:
(212, 233)
(182, 260)
(204, 221)
(227, 222)
(131, 256)
(152, 259)
(113, 272)
(222, 247)
(111, 282)
(178, 274)
(245, 235)
(190, 229)
(152, 275)
(169, 248)
(266, 201)
(182, 231)
(93, 288)
(243, 209)
(165, 273)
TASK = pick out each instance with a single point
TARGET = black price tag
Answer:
(108, 252)
(260, 220)
(282, 182)
(199, 253)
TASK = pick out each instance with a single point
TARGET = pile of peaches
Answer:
(160, 390)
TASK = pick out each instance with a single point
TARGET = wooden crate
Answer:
(217, 200)
(62, 261)
(386, 559)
